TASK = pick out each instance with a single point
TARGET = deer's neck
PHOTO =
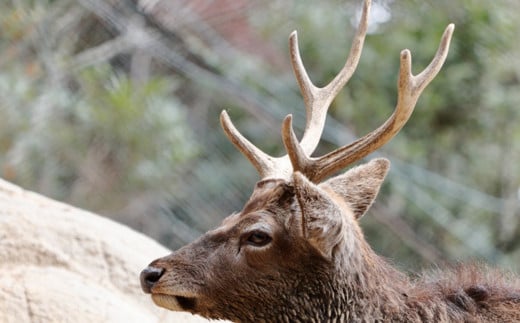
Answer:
(366, 288)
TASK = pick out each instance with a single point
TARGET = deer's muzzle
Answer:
(149, 277)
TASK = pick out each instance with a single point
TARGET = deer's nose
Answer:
(149, 276)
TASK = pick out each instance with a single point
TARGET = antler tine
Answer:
(317, 100)
(410, 88)
(260, 160)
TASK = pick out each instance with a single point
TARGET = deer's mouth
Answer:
(175, 302)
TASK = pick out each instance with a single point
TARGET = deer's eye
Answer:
(258, 238)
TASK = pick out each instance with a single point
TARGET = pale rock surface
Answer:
(62, 264)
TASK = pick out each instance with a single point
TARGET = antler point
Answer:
(224, 118)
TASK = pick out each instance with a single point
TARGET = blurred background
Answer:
(113, 105)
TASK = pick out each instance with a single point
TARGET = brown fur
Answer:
(317, 267)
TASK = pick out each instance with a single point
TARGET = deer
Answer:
(296, 251)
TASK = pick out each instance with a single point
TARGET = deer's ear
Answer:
(359, 186)
(322, 219)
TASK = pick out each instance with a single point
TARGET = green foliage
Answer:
(93, 132)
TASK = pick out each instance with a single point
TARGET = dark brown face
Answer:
(247, 263)
(283, 257)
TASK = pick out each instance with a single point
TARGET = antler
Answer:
(409, 87)
(317, 101)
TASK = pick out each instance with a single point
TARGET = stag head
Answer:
(295, 249)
